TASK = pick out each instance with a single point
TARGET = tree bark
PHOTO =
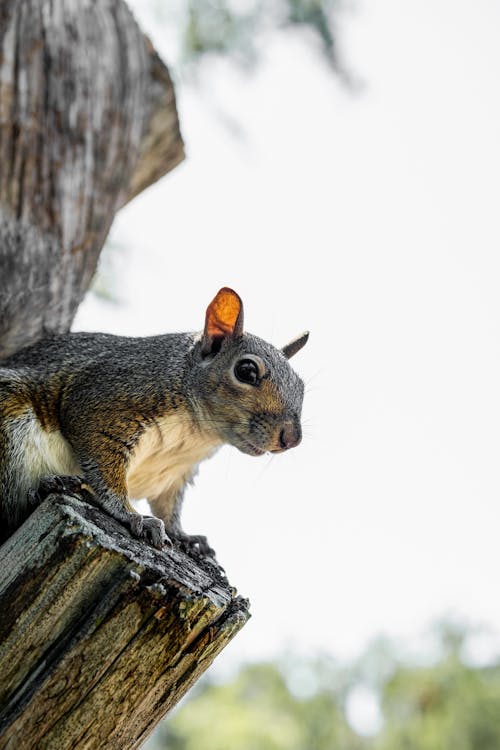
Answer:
(100, 634)
(87, 120)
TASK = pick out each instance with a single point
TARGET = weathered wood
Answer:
(87, 120)
(161, 148)
(100, 634)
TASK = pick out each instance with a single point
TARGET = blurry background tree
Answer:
(234, 28)
(305, 705)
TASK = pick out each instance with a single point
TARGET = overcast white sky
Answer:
(372, 221)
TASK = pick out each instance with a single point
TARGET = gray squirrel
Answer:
(128, 418)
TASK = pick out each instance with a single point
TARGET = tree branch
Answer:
(87, 120)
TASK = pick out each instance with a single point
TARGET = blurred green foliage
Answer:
(257, 711)
(297, 704)
(234, 28)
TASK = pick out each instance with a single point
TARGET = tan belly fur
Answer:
(165, 456)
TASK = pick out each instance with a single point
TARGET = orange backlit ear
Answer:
(224, 319)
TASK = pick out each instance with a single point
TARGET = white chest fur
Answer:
(166, 455)
(36, 452)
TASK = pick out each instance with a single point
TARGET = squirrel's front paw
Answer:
(58, 485)
(151, 529)
(196, 543)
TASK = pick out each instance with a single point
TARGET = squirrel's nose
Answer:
(290, 435)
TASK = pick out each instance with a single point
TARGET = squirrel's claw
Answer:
(58, 485)
(154, 531)
(195, 543)
(151, 529)
(34, 499)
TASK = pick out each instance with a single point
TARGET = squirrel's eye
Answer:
(246, 371)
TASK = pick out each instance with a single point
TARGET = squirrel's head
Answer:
(244, 388)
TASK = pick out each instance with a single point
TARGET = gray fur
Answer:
(101, 392)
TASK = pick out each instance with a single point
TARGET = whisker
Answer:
(265, 468)
(313, 376)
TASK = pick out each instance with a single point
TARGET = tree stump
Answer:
(100, 634)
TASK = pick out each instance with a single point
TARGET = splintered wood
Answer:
(100, 634)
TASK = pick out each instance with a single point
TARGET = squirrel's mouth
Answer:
(247, 447)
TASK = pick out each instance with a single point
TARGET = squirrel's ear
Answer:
(224, 319)
(295, 345)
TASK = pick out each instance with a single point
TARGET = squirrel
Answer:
(130, 418)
